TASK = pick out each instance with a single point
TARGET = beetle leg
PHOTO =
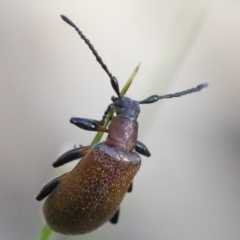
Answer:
(77, 145)
(71, 155)
(48, 188)
(114, 218)
(88, 124)
(130, 188)
(142, 149)
(102, 121)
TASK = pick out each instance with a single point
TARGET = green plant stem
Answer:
(45, 233)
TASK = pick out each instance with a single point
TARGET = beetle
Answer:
(85, 198)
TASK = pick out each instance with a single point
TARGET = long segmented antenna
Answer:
(113, 79)
(155, 98)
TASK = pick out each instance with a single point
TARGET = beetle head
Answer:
(126, 107)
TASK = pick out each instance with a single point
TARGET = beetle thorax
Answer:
(123, 129)
(122, 133)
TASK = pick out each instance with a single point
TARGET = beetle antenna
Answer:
(113, 79)
(155, 98)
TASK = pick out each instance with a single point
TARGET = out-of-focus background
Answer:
(190, 187)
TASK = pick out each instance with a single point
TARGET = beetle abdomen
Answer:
(91, 193)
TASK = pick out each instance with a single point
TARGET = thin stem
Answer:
(45, 233)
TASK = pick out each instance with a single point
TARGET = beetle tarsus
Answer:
(102, 121)
(115, 217)
(130, 188)
(48, 188)
(71, 155)
(142, 149)
(78, 146)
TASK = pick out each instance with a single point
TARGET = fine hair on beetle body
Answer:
(83, 199)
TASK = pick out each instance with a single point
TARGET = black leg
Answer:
(71, 155)
(142, 149)
(114, 218)
(130, 188)
(102, 121)
(48, 188)
(77, 145)
(88, 124)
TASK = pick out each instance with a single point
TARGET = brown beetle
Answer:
(90, 195)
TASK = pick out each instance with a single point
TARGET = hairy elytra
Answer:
(82, 200)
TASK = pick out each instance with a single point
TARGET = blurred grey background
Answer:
(190, 187)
